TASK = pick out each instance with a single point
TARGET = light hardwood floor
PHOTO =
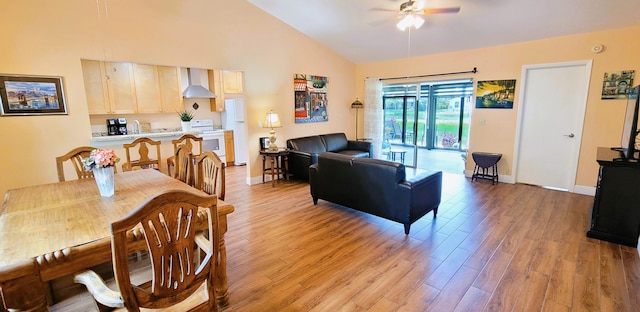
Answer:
(492, 248)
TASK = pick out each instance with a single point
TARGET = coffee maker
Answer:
(116, 126)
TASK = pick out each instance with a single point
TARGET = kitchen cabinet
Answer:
(109, 87)
(147, 88)
(215, 85)
(95, 86)
(122, 99)
(157, 89)
(225, 84)
(228, 145)
(128, 88)
(171, 92)
(232, 82)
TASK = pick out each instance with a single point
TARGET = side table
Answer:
(279, 165)
(484, 162)
(394, 152)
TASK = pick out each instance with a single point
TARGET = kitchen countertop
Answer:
(128, 138)
(102, 139)
(135, 136)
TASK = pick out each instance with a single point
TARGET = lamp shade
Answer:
(272, 120)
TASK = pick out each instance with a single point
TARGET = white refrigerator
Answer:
(233, 118)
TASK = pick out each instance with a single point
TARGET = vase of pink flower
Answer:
(101, 163)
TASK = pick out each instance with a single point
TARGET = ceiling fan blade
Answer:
(440, 10)
(383, 10)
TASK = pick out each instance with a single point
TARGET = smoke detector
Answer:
(597, 48)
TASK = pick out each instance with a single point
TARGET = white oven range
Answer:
(212, 139)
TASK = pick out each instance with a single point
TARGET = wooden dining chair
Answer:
(183, 161)
(188, 139)
(75, 156)
(144, 161)
(210, 174)
(167, 224)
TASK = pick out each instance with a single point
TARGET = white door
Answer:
(553, 98)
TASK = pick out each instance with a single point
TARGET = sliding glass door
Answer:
(450, 105)
(425, 116)
(400, 120)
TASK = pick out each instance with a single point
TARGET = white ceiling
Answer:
(362, 35)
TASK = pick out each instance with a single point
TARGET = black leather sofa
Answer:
(303, 152)
(375, 186)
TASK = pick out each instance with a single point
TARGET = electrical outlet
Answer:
(483, 122)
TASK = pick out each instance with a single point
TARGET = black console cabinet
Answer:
(615, 215)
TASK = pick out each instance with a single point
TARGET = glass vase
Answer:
(104, 180)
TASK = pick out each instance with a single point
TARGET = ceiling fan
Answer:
(410, 14)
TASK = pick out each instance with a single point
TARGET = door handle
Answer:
(569, 135)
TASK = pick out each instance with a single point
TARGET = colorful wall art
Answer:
(310, 94)
(495, 93)
(616, 85)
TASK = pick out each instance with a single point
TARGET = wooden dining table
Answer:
(53, 230)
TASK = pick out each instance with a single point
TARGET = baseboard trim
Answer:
(584, 190)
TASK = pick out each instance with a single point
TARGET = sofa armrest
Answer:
(299, 163)
(361, 146)
(425, 193)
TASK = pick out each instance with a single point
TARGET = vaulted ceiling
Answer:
(359, 31)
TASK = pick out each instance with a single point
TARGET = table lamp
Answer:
(272, 121)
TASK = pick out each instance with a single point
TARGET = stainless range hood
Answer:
(195, 90)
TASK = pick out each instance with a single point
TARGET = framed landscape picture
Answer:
(31, 95)
(495, 93)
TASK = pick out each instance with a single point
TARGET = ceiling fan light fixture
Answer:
(410, 20)
(418, 21)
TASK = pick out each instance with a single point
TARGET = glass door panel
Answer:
(447, 122)
(410, 125)
(399, 141)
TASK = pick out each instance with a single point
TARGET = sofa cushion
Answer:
(310, 144)
(335, 142)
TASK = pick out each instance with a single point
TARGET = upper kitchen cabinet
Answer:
(232, 82)
(157, 89)
(226, 84)
(215, 84)
(109, 87)
(169, 77)
(95, 85)
(129, 88)
(147, 87)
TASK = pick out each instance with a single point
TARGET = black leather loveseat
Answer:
(375, 186)
(303, 152)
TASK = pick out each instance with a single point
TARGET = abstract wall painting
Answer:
(310, 98)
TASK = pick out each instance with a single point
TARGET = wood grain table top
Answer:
(42, 219)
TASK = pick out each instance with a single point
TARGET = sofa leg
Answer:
(435, 212)
(407, 226)
(315, 201)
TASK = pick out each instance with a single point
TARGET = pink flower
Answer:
(102, 158)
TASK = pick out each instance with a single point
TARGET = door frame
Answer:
(573, 166)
